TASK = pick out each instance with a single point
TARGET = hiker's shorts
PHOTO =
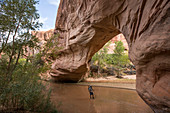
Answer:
(91, 93)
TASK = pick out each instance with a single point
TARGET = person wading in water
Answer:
(91, 92)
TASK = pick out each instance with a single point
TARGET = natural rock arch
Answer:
(86, 25)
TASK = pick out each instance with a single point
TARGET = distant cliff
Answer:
(43, 36)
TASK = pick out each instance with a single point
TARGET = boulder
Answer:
(86, 25)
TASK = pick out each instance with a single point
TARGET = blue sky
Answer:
(48, 12)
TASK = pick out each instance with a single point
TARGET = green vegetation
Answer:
(118, 60)
(21, 89)
(100, 57)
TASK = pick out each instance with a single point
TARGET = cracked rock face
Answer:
(86, 25)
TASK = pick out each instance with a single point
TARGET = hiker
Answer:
(91, 92)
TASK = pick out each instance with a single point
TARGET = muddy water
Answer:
(70, 98)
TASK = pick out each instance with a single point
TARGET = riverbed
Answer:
(74, 98)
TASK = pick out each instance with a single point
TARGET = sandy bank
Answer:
(127, 82)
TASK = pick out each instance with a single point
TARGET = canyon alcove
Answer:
(86, 25)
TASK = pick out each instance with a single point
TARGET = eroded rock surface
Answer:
(43, 36)
(86, 25)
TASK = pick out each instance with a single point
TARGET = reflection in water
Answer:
(71, 98)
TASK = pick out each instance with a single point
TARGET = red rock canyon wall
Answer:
(86, 25)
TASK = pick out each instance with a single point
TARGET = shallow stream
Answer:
(73, 98)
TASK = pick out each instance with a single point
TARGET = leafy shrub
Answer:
(24, 91)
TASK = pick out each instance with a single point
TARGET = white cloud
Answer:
(54, 2)
(46, 28)
(43, 20)
(46, 25)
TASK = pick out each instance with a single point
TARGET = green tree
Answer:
(99, 58)
(119, 58)
(17, 18)
(20, 86)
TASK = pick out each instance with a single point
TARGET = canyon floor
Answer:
(127, 82)
(124, 79)
(115, 98)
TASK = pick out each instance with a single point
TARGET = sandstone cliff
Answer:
(43, 36)
(86, 25)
